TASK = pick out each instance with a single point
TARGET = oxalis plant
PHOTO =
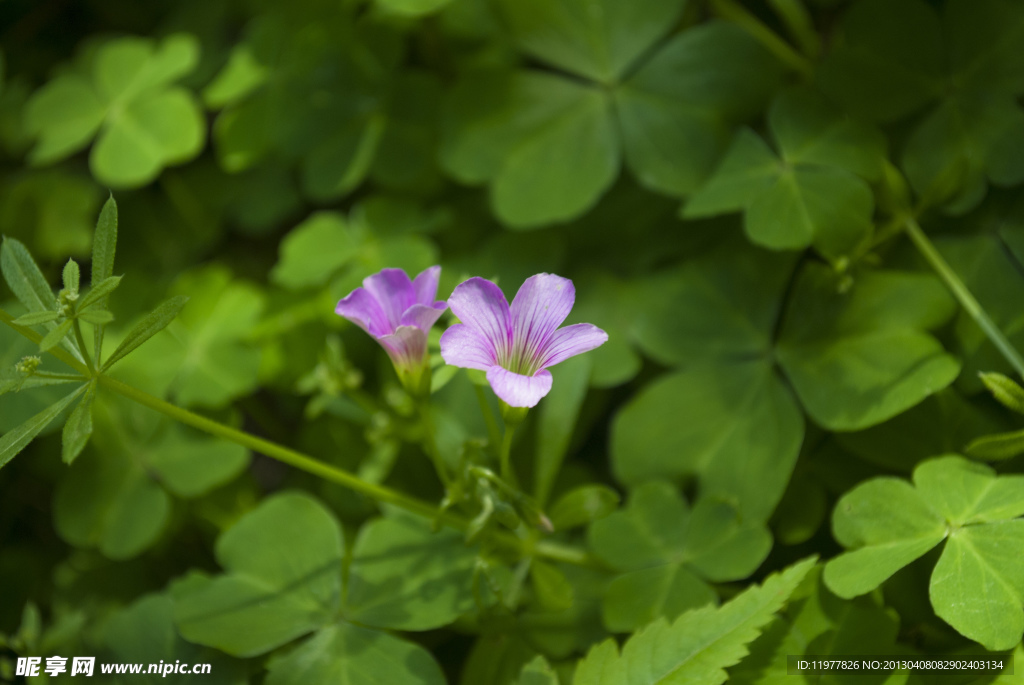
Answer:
(774, 414)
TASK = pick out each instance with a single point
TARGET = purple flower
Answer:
(516, 345)
(398, 313)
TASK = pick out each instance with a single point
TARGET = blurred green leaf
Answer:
(537, 672)
(150, 325)
(558, 416)
(143, 122)
(583, 505)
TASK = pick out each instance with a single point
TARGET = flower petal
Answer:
(406, 346)
(539, 308)
(362, 309)
(423, 316)
(425, 285)
(518, 390)
(482, 306)
(393, 291)
(570, 341)
(464, 347)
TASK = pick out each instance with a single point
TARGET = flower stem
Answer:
(525, 546)
(430, 443)
(963, 295)
(493, 434)
(730, 10)
(507, 472)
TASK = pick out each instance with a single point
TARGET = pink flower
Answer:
(398, 313)
(516, 345)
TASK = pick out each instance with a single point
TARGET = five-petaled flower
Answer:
(516, 345)
(398, 313)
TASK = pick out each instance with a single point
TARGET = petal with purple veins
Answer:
(362, 309)
(540, 307)
(481, 305)
(423, 316)
(406, 346)
(393, 290)
(570, 341)
(517, 390)
(425, 285)
(464, 347)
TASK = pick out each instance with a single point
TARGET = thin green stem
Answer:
(508, 474)
(81, 345)
(430, 443)
(797, 19)
(730, 10)
(963, 295)
(493, 433)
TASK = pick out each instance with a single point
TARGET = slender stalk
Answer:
(507, 473)
(81, 345)
(730, 10)
(493, 433)
(963, 295)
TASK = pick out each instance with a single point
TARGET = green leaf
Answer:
(558, 416)
(56, 335)
(679, 109)
(550, 586)
(978, 583)
(1007, 391)
(242, 74)
(78, 428)
(740, 437)
(104, 247)
(526, 133)
(405, 576)
(282, 580)
(966, 492)
(669, 552)
(16, 439)
(354, 655)
(583, 505)
(36, 318)
(996, 447)
(314, 250)
(537, 672)
(143, 632)
(596, 39)
(124, 94)
(71, 276)
(218, 360)
(413, 8)
(889, 524)
(698, 646)
(890, 62)
(97, 316)
(99, 292)
(858, 358)
(150, 325)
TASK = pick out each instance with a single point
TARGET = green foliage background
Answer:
(800, 222)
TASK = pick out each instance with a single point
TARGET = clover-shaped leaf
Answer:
(813, 192)
(126, 99)
(977, 585)
(667, 553)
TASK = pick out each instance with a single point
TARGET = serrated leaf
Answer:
(698, 646)
(282, 580)
(537, 672)
(150, 325)
(78, 428)
(15, 440)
